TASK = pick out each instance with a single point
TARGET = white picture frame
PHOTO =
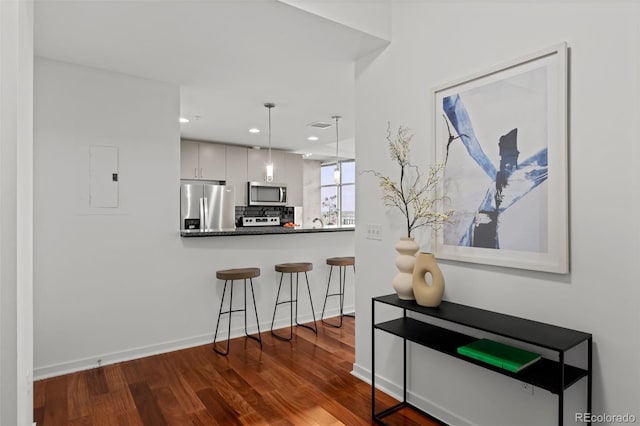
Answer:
(502, 134)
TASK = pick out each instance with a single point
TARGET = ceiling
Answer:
(228, 58)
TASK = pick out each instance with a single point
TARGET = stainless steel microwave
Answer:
(267, 194)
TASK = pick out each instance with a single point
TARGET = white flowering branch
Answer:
(413, 196)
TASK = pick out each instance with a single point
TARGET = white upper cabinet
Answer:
(212, 159)
(237, 165)
(257, 165)
(237, 172)
(201, 160)
(293, 169)
(189, 168)
(287, 168)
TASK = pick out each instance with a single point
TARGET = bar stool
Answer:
(232, 275)
(342, 263)
(291, 268)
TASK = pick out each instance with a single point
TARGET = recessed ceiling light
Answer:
(254, 130)
(312, 138)
(307, 155)
(183, 120)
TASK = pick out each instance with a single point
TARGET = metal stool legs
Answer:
(291, 302)
(342, 277)
(231, 310)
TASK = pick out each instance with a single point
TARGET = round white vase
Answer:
(427, 294)
(403, 281)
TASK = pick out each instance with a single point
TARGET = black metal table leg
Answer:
(589, 376)
(373, 359)
(404, 364)
(561, 394)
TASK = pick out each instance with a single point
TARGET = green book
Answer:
(499, 354)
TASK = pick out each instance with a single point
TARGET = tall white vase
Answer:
(403, 281)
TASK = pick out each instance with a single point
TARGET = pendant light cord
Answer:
(337, 139)
(336, 117)
(269, 174)
(269, 106)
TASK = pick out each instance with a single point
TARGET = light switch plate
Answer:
(374, 232)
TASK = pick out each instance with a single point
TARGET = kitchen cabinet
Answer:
(237, 165)
(189, 160)
(256, 160)
(257, 165)
(237, 172)
(287, 168)
(293, 178)
(202, 161)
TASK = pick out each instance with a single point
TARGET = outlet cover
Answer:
(527, 388)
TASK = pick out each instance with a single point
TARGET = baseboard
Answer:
(98, 360)
(395, 390)
(382, 384)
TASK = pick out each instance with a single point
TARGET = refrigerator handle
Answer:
(203, 208)
(206, 225)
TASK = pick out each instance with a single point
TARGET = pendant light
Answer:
(269, 175)
(336, 171)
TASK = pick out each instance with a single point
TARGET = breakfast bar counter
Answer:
(266, 230)
(263, 247)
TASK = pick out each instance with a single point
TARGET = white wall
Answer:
(16, 245)
(435, 42)
(114, 284)
(311, 188)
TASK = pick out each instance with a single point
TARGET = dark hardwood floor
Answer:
(303, 382)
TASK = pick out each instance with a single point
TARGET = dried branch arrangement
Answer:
(415, 193)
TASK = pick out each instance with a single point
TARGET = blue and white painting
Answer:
(495, 146)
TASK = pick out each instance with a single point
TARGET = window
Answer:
(338, 200)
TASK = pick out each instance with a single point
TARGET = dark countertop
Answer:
(266, 230)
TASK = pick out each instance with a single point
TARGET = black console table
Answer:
(553, 375)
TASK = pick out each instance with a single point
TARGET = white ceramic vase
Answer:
(427, 294)
(403, 281)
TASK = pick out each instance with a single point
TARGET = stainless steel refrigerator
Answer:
(207, 207)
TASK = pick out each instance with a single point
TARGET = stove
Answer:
(260, 221)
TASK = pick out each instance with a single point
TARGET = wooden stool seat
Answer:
(341, 261)
(238, 273)
(294, 267)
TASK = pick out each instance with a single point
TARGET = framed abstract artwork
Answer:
(502, 135)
